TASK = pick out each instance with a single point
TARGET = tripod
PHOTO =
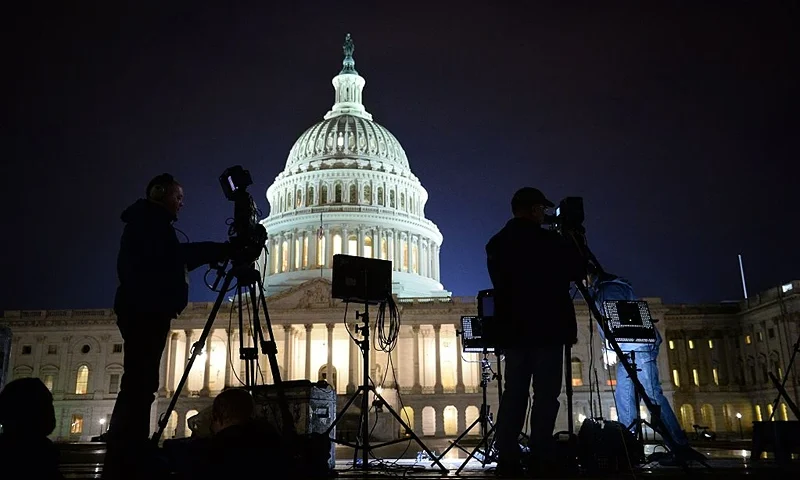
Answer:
(638, 421)
(484, 420)
(364, 390)
(247, 278)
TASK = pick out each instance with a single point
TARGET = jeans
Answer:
(624, 395)
(544, 366)
(129, 431)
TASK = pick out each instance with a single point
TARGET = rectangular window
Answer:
(758, 414)
(577, 375)
(113, 383)
(710, 344)
(26, 349)
(771, 333)
(76, 426)
(696, 377)
(676, 379)
(671, 345)
(715, 372)
(48, 381)
(117, 348)
(760, 336)
(748, 341)
(52, 349)
(691, 344)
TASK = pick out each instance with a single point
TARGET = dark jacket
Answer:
(153, 266)
(531, 269)
(610, 288)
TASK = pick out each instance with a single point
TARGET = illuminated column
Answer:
(180, 426)
(313, 241)
(459, 367)
(436, 263)
(287, 341)
(361, 241)
(207, 371)
(437, 387)
(329, 366)
(352, 365)
(328, 248)
(398, 257)
(417, 388)
(163, 376)
(173, 360)
(346, 242)
(187, 354)
(231, 333)
(309, 326)
(290, 236)
(378, 244)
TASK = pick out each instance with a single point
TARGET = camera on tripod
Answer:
(568, 217)
(247, 236)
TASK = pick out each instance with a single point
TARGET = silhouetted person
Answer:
(153, 268)
(240, 446)
(28, 417)
(608, 287)
(531, 269)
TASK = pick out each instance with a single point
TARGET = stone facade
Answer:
(721, 354)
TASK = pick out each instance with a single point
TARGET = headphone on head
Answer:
(158, 187)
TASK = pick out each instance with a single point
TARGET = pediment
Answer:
(314, 293)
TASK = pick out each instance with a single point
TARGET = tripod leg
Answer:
(256, 289)
(196, 349)
(484, 441)
(454, 443)
(408, 429)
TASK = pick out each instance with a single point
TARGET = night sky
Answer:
(678, 126)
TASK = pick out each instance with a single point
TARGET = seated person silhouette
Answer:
(28, 417)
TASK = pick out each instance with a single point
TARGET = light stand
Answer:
(248, 279)
(364, 390)
(484, 420)
(638, 421)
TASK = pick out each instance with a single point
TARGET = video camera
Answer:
(247, 236)
(569, 216)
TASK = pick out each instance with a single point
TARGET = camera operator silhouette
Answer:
(608, 287)
(531, 270)
(28, 417)
(152, 268)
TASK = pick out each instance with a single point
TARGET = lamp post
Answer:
(739, 418)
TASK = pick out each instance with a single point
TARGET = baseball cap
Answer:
(529, 196)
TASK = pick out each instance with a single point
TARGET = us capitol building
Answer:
(348, 188)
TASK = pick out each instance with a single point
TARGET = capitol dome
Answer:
(347, 188)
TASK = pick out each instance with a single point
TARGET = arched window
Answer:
(285, 256)
(450, 415)
(324, 198)
(380, 196)
(391, 199)
(323, 375)
(687, 417)
(402, 201)
(368, 247)
(320, 251)
(337, 244)
(368, 195)
(310, 197)
(411, 204)
(289, 201)
(82, 380)
(352, 245)
(353, 194)
(337, 193)
(577, 372)
(299, 198)
(707, 413)
(407, 415)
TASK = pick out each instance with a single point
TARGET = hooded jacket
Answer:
(611, 288)
(531, 269)
(153, 266)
